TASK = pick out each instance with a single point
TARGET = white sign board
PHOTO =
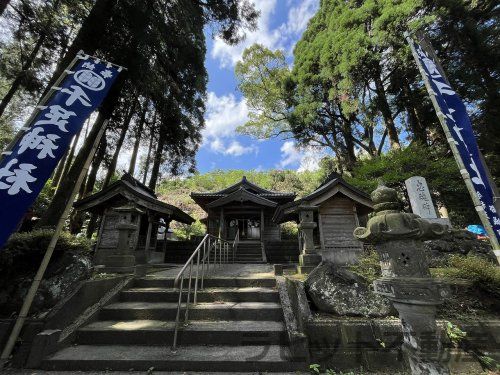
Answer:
(420, 197)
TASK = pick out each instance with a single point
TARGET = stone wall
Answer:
(375, 344)
(179, 251)
(286, 251)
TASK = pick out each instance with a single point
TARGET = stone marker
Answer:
(420, 197)
(421, 200)
(398, 239)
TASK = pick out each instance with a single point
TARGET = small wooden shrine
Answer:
(130, 217)
(245, 208)
(327, 218)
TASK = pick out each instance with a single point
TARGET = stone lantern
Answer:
(406, 280)
(122, 259)
(308, 258)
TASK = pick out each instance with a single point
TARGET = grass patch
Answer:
(481, 273)
(368, 266)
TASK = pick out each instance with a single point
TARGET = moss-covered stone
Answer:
(341, 292)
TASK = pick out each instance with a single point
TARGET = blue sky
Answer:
(280, 26)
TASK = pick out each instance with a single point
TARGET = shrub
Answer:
(289, 230)
(184, 232)
(24, 251)
(438, 168)
(482, 273)
(368, 266)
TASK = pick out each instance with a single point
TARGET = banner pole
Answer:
(23, 314)
(463, 171)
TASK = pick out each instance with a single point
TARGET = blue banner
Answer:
(460, 127)
(25, 170)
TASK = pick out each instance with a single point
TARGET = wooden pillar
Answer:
(148, 239)
(221, 223)
(262, 224)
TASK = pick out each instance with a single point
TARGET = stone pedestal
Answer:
(406, 280)
(122, 259)
(308, 258)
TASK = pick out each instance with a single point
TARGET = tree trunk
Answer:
(416, 126)
(157, 161)
(92, 225)
(350, 154)
(119, 144)
(63, 194)
(383, 104)
(69, 159)
(88, 36)
(148, 158)
(60, 167)
(96, 163)
(20, 76)
(78, 217)
(133, 159)
(114, 159)
(3, 5)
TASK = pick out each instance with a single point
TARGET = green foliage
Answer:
(316, 369)
(261, 74)
(184, 232)
(354, 84)
(44, 198)
(368, 266)
(439, 169)
(454, 333)
(482, 273)
(289, 230)
(488, 363)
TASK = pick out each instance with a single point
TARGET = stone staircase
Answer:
(237, 326)
(249, 252)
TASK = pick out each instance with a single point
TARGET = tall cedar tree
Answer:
(354, 83)
(163, 47)
(40, 32)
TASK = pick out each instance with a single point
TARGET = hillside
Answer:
(176, 191)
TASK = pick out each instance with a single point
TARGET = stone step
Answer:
(157, 332)
(238, 255)
(249, 259)
(158, 294)
(257, 261)
(202, 311)
(211, 282)
(271, 358)
(249, 252)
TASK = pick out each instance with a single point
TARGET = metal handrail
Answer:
(211, 252)
(235, 244)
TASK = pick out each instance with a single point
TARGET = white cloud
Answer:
(237, 149)
(224, 114)
(283, 36)
(299, 15)
(307, 159)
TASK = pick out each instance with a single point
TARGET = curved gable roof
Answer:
(137, 193)
(242, 195)
(333, 185)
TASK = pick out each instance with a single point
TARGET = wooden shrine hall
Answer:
(327, 218)
(131, 215)
(245, 208)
